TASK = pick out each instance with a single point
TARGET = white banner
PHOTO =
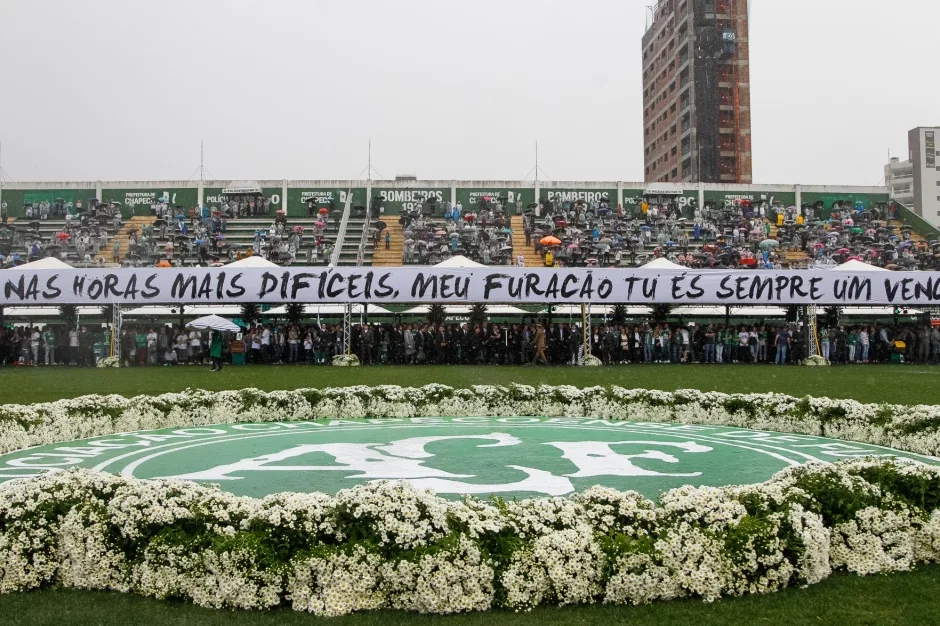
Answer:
(507, 285)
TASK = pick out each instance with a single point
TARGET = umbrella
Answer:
(214, 322)
(164, 264)
(381, 225)
(62, 236)
(281, 212)
(769, 243)
(550, 241)
(324, 210)
(573, 246)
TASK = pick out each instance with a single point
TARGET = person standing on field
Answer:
(215, 351)
(540, 345)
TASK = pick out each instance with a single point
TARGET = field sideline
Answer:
(866, 383)
(900, 599)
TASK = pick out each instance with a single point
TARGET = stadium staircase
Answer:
(135, 223)
(393, 256)
(532, 259)
(349, 247)
(914, 236)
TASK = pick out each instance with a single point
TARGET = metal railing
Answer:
(360, 259)
(341, 234)
(364, 239)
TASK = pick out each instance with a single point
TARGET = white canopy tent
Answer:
(48, 263)
(330, 309)
(597, 309)
(252, 261)
(857, 266)
(464, 309)
(663, 264)
(735, 311)
(169, 311)
(49, 311)
(459, 261)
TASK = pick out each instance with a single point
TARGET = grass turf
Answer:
(907, 598)
(866, 383)
(900, 599)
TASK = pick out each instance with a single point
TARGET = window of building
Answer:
(675, 173)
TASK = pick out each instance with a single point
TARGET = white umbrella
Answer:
(215, 323)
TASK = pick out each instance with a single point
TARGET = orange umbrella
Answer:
(550, 241)
(164, 264)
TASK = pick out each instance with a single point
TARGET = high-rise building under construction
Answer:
(696, 92)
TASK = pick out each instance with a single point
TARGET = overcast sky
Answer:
(125, 89)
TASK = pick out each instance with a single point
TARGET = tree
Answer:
(478, 314)
(832, 316)
(436, 314)
(295, 312)
(618, 316)
(69, 313)
(251, 313)
(793, 313)
(660, 312)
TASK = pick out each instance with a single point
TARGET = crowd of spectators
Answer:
(79, 238)
(483, 233)
(539, 343)
(724, 235)
(200, 236)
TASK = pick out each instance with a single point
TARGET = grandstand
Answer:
(493, 223)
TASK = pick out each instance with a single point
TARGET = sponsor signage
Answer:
(397, 201)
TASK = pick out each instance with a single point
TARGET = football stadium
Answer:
(694, 398)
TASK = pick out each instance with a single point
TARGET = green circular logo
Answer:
(505, 456)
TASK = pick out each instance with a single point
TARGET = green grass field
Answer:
(866, 383)
(908, 598)
(843, 600)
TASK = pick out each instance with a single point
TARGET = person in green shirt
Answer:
(141, 345)
(731, 343)
(49, 340)
(852, 341)
(215, 351)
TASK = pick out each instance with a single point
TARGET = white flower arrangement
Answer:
(910, 428)
(345, 360)
(388, 545)
(109, 361)
(591, 361)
